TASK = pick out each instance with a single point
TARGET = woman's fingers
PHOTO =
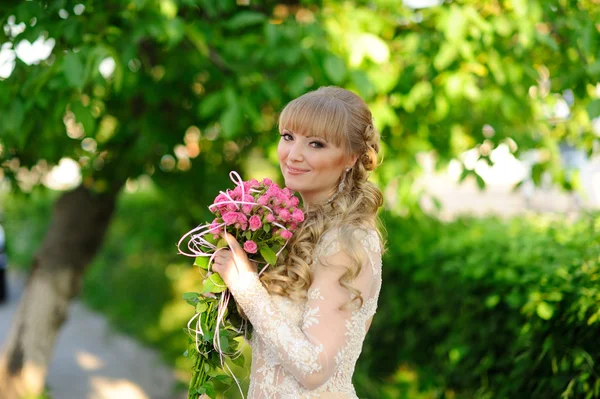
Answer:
(238, 251)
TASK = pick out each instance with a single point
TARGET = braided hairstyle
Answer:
(344, 119)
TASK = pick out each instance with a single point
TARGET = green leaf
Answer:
(224, 343)
(207, 286)
(217, 280)
(210, 390)
(14, 118)
(593, 108)
(231, 121)
(536, 173)
(174, 30)
(210, 104)
(191, 297)
(239, 361)
(84, 116)
(202, 262)
(210, 238)
(201, 307)
(492, 300)
(480, 181)
(224, 379)
(268, 255)
(335, 69)
(593, 69)
(545, 310)
(244, 19)
(362, 83)
(267, 227)
(214, 283)
(73, 70)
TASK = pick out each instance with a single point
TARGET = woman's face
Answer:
(311, 165)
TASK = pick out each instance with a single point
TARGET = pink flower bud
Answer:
(286, 234)
(270, 218)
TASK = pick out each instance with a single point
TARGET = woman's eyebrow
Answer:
(284, 130)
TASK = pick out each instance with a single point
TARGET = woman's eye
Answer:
(287, 136)
(316, 144)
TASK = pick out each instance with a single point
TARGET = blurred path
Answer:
(92, 361)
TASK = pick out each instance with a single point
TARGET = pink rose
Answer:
(286, 234)
(250, 247)
(267, 181)
(236, 193)
(220, 203)
(273, 190)
(247, 208)
(255, 222)
(263, 200)
(285, 215)
(220, 198)
(270, 218)
(298, 216)
(230, 218)
(242, 221)
(294, 201)
(215, 227)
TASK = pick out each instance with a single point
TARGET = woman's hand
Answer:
(233, 262)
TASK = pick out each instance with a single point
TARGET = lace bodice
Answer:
(308, 349)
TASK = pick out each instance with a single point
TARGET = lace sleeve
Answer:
(309, 352)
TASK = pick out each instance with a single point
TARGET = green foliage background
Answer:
(470, 309)
(475, 308)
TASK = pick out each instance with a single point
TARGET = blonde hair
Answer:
(342, 118)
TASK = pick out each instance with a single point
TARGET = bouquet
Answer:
(262, 217)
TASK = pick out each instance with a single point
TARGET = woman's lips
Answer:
(295, 171)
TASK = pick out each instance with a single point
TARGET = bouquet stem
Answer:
(200, 375)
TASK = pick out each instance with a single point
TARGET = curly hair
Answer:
(344, 119)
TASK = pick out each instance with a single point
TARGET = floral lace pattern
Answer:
(309, 349)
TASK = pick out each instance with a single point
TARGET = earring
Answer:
(343, 182)
(340, 186)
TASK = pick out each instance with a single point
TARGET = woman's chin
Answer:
(292, 185)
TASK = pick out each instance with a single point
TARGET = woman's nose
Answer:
(295, 153)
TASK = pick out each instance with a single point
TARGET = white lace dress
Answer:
(309, 349)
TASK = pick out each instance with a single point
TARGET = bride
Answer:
(311, 312)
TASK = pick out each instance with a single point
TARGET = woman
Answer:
(310, 314)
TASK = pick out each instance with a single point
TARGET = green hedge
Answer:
(470, 309)
(489, 309)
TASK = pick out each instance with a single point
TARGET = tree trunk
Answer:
(79, 222)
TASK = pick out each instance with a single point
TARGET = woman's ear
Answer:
(352, 161)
